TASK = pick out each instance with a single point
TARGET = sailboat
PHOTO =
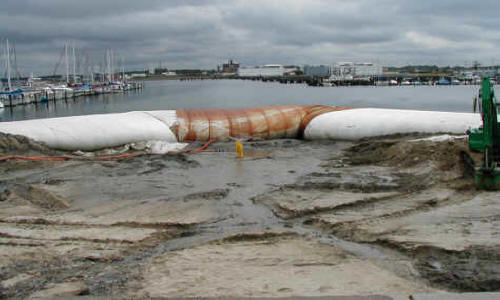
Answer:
(8, 94)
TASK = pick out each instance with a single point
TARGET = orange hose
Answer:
(201, 148)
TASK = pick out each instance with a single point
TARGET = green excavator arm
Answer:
(486, 139)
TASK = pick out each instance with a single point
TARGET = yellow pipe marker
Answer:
(239, 149)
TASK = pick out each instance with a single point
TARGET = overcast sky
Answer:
(202, 34)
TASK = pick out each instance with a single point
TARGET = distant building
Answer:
(230, 67)
(469, 75)
(137, 75)
(291, 70)
(317, 71)
(262, 71)
(350, 70)
(169, 73)
(367, 69)
(486, 71)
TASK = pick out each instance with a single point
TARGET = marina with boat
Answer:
(33, 90)
(53, 92)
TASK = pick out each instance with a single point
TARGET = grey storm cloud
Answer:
(202, 34)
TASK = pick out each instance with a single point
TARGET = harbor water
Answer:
(173, 94)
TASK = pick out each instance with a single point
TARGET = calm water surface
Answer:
(167, 94)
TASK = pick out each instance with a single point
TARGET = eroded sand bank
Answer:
(391, 215)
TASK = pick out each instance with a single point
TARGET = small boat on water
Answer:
(82, 89)
(443, 81)
(14, 97)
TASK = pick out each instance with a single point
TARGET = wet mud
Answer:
(21, 145)
(391, 215)
(409, 194)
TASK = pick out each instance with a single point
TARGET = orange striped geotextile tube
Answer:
(259, 123)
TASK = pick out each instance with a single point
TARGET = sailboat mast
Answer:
(112, 64)
(123, 70)
(102, 68)
(66, 60)
(74, 62)
(108, 66)
(18, 75)
(9, 84)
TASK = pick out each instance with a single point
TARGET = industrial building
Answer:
(262, 71)
(317, 71)
(230, 67)
(350, 70)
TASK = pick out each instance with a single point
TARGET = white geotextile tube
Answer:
(358, 123)
(92, 132)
